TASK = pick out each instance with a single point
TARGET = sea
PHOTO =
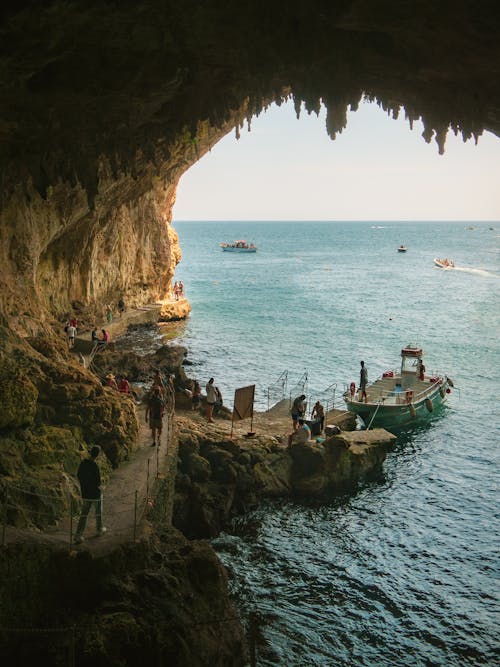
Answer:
(404, 570)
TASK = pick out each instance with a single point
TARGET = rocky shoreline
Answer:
(167, 594)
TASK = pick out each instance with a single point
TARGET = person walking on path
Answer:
(363, 381)
(89, 477)
(211, 399)
(123, 385)
(318, 412)
(298, 410)
(121, 306)
(102, 342)
(71, 335)
(155, 408)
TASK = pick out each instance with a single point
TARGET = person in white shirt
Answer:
(71, 335)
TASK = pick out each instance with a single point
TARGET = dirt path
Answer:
(130, 490)
(125, 498)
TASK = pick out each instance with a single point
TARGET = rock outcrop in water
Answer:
(219, 478)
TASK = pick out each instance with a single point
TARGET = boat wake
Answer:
(478, 272)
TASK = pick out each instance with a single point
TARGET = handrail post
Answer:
(70, 524)
(135, 515)
(4, 527)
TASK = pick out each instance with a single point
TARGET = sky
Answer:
(377, 169)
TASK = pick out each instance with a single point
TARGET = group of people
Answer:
(301, 430)
(214, 400)
(178, 290)
(123, 386)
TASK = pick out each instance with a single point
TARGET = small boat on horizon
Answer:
(444, 263)
(402, 248)
(238, 246)
(400, 398)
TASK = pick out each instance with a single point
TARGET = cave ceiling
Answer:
(81, 79)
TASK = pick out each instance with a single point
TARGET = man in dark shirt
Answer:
(89, 477)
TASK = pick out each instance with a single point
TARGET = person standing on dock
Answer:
(298, 410)
(211, 399)
(318, 412)
(89, 477)
(363, 381)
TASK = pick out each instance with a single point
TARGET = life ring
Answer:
(409, 396)
(352, 388)
(428, 404)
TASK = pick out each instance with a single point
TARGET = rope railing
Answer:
(139, 500)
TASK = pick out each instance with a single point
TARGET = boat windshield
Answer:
(410, 358)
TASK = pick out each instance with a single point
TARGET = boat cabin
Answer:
(410, 365)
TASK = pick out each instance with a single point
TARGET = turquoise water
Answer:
(405, 571)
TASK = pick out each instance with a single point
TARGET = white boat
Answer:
(444, 263)
(238, 246)
(402, 248)
(400, 398)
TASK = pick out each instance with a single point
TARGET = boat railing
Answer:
(383, 395)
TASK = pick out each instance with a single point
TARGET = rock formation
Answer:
(103, 107)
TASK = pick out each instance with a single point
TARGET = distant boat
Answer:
(444, 263)
(402, 248)
(400, 397)
(238, 246)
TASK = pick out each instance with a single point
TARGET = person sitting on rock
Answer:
(111, 381)
(301, 435)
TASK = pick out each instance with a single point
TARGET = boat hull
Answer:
(229, 249)
(378, 415)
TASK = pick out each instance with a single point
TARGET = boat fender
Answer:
(450, 382)
(352, 389)
(409, 396)
(428, 404)
(413, 412)
(442, 392)
(448, 390)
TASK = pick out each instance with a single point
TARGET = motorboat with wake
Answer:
(402, 248)
(400, 397)
(444, 263)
